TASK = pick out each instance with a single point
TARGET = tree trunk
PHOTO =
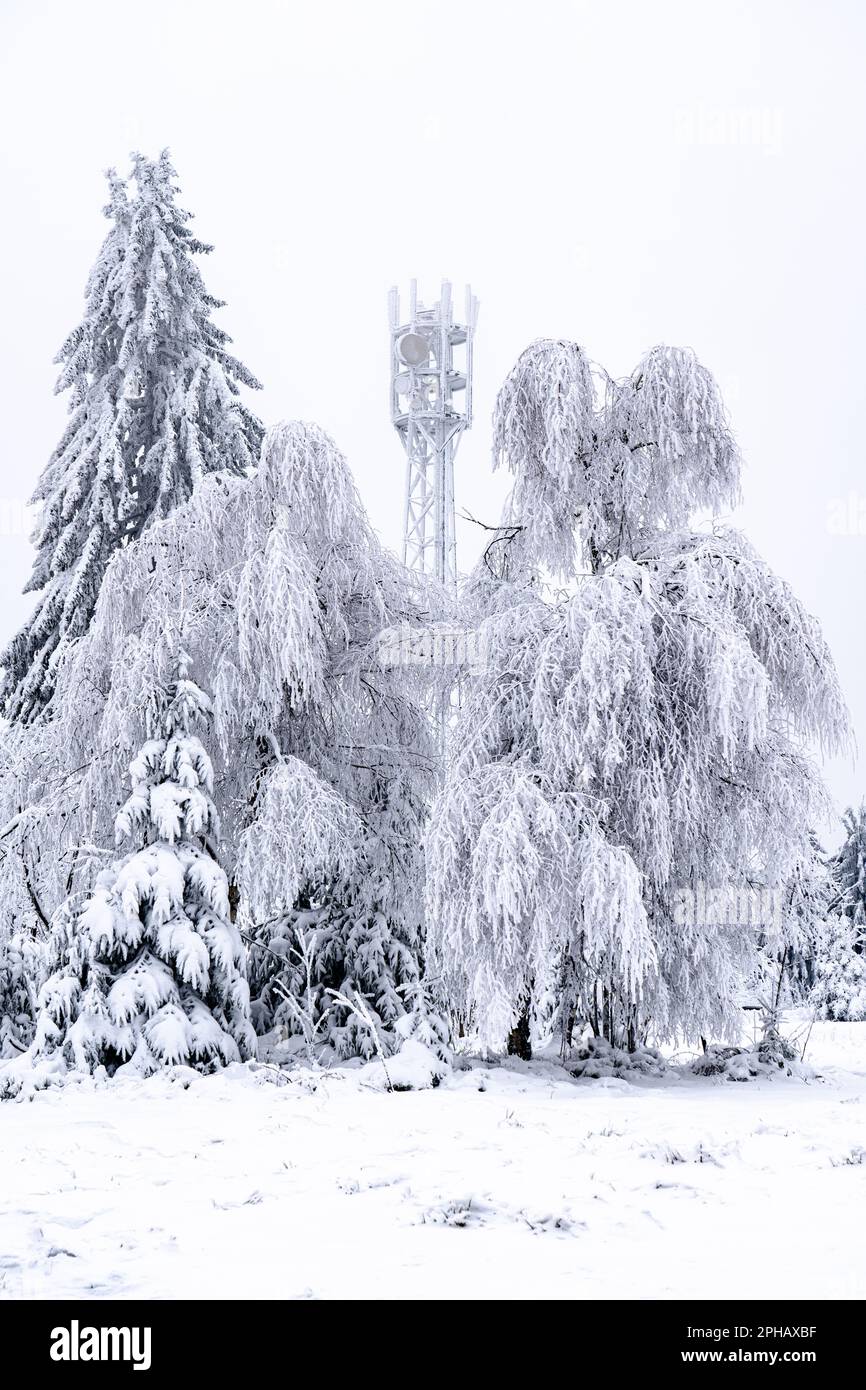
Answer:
(519, 1044)
(234, 901)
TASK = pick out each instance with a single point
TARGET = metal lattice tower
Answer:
(426, 376)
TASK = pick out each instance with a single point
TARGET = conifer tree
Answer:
(848, 871)
(808, 904)
(19, 970)
(148, 967)
(840, 971)
(154, 406)
(840, 949)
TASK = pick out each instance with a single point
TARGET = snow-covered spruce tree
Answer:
(635, 738)
(154, 407)
(790, 937)
(148, 968)
(328, 759)
(20, 967)
(840, 971)
(840, 947)
(24, 924)
(807, 903)
(848, 871)
(789, 925)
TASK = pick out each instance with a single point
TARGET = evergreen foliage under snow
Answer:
(848, 869)
(148, 968)
(840, 950)
(840, 985)
(154, 407)
(20, 969)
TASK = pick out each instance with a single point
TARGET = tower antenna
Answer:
(431, 406)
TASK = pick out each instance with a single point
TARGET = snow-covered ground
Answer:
(505, 1181)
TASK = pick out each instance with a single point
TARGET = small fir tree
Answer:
(148, 967)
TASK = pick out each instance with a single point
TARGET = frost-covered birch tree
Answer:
(154, 406)
(147, 968)
(327, 758)
(637, 735)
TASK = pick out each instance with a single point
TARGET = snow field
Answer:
(509, 1181)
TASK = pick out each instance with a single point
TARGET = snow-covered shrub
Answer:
(148, 967)
(714, 1061)
(595, 1057)
(769, 1058)
(412, 1067)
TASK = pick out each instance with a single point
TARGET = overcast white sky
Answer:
(618, 173)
